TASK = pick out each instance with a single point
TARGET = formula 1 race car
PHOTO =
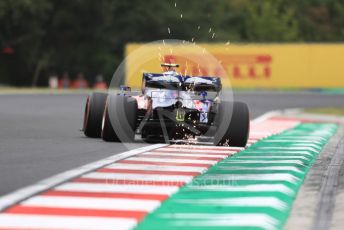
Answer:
(170, 107)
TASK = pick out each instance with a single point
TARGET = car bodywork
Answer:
(169, 107)
(176, 106)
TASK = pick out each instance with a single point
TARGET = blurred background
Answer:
(79, 43)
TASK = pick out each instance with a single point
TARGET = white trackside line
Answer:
(43, 185)
(185, 154)
(190, 150)
(247, 220)
(113, 188)
(25, 221)
(275, 168)
(165, 168)
(112, 177)
(270, 202)
(253, 177)
(171, 160)
(92, 203)
(281, 188)
(257, 161)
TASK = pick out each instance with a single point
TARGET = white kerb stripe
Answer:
(171, 160)
(92, 203)
(166, 168)
(113, 188)
(25, 221)
(136, 177)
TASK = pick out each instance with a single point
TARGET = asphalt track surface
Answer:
(40, 137)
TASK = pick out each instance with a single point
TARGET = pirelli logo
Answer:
(237, 66)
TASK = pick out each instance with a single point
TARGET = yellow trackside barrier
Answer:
(246, 66)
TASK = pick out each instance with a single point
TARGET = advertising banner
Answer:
(247, 66)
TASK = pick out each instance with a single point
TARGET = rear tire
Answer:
(93, 115)
(119, 119)
(107, 132)
(234, 123)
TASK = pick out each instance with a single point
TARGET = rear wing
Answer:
(203, 83)
(179, 82)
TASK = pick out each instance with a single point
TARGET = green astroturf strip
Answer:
(254, 189)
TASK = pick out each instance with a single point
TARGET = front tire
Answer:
(93, 115)
(119, 119)
(233, 124)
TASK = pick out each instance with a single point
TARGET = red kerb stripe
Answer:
(20, 209)
(179, 157)
(165, 163)
(129, 182)
(106, 195)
